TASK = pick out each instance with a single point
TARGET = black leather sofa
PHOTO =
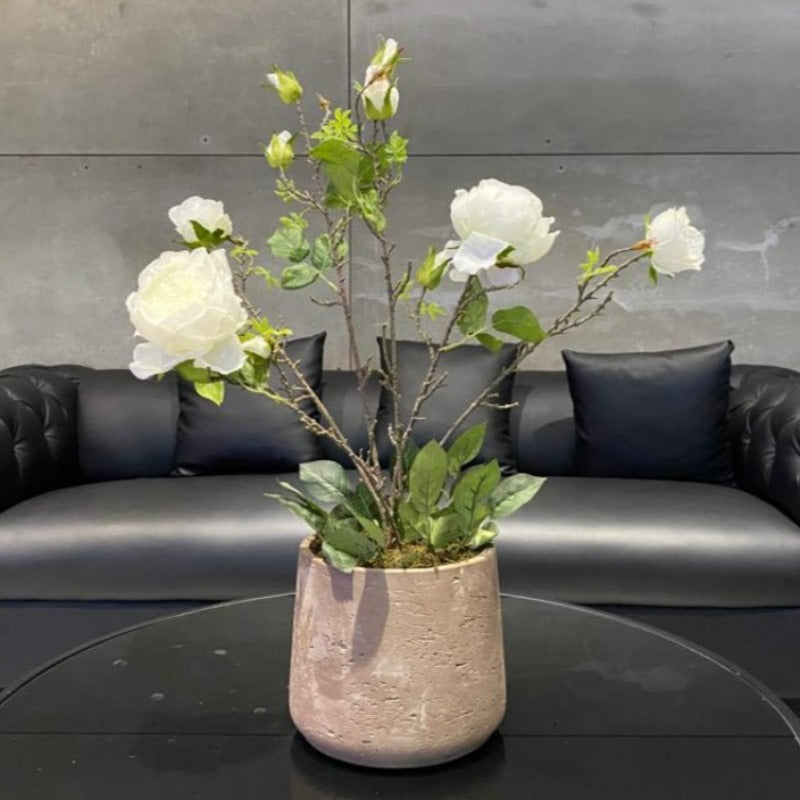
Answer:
(96, 532)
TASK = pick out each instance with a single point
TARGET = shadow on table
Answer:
(314, 776)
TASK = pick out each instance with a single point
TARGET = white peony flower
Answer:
(676, 246)
(209, 213)
(490, 218)
(186, 309)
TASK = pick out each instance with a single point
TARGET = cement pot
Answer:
(397, 668)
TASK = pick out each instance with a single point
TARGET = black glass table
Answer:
(195, 706)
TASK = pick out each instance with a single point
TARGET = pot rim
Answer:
(481, 555)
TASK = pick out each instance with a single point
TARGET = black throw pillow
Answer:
(469, 370)
(653, 415)
(248, 432)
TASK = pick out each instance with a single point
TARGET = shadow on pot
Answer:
(476, 776)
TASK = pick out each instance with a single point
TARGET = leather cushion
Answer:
(126, 427)
(653, 543)
(248, 432)
(585, 540)
(201, 538)
(653, 415)
(469, 370)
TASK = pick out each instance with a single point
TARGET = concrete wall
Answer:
(114, 111)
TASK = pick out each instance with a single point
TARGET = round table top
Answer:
(195, 706)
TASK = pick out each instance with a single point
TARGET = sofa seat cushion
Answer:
(650, 543)
(198, 538)
(585, 540)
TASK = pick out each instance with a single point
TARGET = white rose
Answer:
(380, 97)
(279, 152)
(676, 246)
(209, 213)
(490, 218)
(187, 310)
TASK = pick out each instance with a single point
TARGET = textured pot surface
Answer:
(397, 668)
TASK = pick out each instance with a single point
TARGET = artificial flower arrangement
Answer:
(433, 504)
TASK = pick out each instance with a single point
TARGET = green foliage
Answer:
(653, 275)
(474, 305)
(325, 480)
(289, 243)
(206, 238)
(369, 207)
(431, 310)
(339, 127)
(396, 149)
(189, 372)
(591, 268)
(465, 448)
(427, 476)
(489, 342)
(518, 322)
(472, 490)
(322, 253)
(512, 493)
(298, 276)
(211, 390)
(336, 558)
(429, 275)
(347, 169)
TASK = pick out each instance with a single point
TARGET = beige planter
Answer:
(397, 668)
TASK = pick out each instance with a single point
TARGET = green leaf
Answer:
(472, 490)
(519, 322)
(429, 273)
(189, 372)
(213, 391)
(298, 276)
(339, 126)
(362, 506)
(653, 275)
(325, 480)
(446, 529)
(397, 149)
(321, 253)
(205, 237)
(485, 534)
(427, 476)
(512, 493)
(338, 153)
(412, 528)
(465, 448)
(475, 303)
(432, 310)
(490, 342)
(370, 209)
(288, 243)
(592, 260)
(347, 536)
(410, 452)
(303, 510)
(594, 273)
(343, 166)
(337, 559)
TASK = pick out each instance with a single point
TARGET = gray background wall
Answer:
(114, 111)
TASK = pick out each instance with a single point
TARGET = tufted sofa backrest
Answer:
(38, 444)
(69, 424)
